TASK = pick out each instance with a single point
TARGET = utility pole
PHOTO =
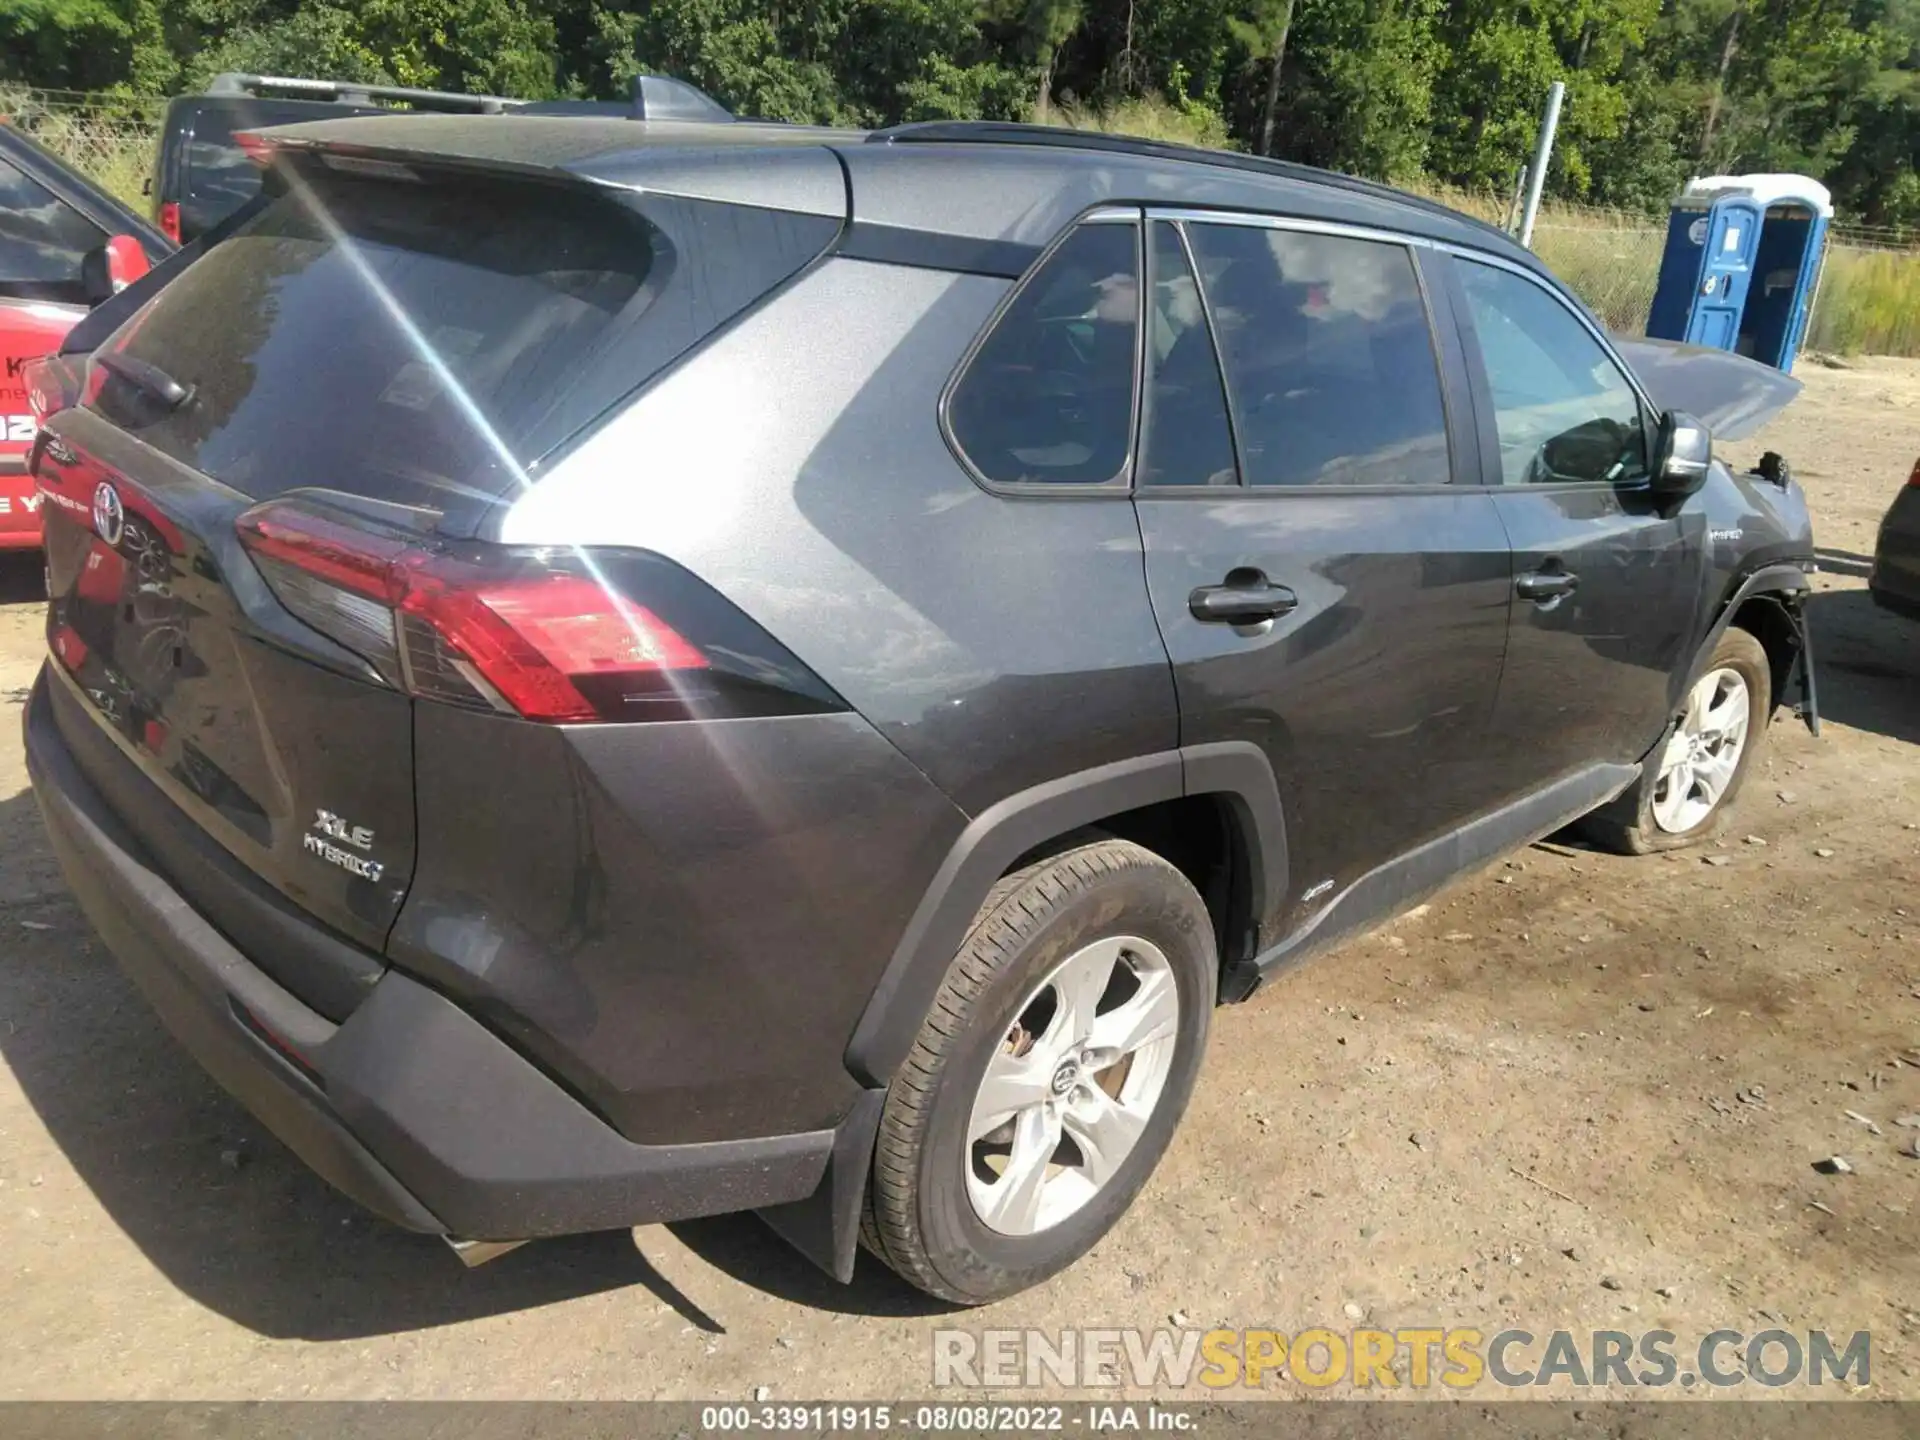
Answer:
(1273, 80)
(1542, 151)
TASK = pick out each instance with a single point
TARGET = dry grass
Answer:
(1145, 118)
(1869, 303)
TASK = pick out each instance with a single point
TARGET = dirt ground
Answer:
(1572, 1068)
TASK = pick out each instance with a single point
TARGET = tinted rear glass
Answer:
(414, 340)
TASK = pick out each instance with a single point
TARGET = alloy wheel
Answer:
(1703, 754)
(1072, 1085)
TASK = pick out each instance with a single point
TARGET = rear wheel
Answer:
(1049, 1076)
(1691, 783)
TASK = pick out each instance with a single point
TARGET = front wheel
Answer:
(1692, 781)
(1047, 1080)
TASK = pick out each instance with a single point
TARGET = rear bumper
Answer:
(410, 1106)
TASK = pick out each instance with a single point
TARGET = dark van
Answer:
(201, 176)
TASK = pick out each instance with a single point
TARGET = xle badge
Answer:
(329, 827)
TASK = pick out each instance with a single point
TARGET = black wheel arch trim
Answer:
(1782, 579)
(999, 835)
(1777, 577)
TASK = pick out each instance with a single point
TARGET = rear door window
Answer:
(418, 341)
(1329, 357)
(1048, 397)
(43, 241)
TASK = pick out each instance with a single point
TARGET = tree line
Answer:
(1445, 91)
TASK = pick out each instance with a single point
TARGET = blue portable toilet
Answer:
(1742, 264)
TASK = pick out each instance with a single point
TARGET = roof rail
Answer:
(655, 97)
(353, 92)
(1001, 132)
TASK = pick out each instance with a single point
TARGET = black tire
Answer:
(1626, 826)
(919, 1217)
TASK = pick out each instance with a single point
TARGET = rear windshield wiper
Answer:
(150, 378)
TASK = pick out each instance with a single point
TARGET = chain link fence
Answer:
(1869, 298)
(108, 138)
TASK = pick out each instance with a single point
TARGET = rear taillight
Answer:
(170, 220)
(52, 385)
(255, 146)
(565, 636)
(1913, 476)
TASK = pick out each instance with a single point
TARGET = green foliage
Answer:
(1442, 90)
(64, 39)
(1363, 95)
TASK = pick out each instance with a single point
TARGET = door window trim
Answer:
(1121, 485)
(1482, 388)
(1461, 439)
(1239, 486)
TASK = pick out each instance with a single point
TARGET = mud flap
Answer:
(825, 1227)
(1806, 703)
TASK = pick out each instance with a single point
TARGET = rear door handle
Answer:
(1241, 602)
(1540, 586)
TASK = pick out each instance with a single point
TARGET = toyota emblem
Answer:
(109, 516)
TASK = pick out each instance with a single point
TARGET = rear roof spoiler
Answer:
(655, 97)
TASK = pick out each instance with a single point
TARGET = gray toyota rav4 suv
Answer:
(607, 673)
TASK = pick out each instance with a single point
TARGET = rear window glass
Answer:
(408, 340)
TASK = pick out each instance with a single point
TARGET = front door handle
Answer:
(1243, 600)
(1541, 586)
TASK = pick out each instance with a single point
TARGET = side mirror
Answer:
(1685, 451)
(115, 265)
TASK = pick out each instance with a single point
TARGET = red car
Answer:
(65, 245)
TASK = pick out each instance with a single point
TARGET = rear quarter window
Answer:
(1047, 398)
(420, 341)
